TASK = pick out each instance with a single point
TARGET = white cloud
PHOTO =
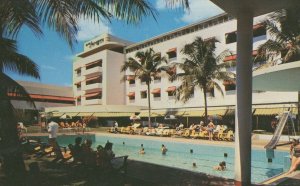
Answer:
(48, 67)
(89, 29)
(162, 4)
(199, 10)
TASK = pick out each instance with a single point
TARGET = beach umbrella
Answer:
(65, 116)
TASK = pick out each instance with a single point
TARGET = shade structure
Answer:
(56, 114)
(92, 94)
(171, 89)
(144, 113)
(85, 114)
(220, 112)
(134, 117)
(92, 78)
(196, 113)
(92, 63)
(172, 50)
(130, 77)
(131, 94)
(112, 114)
(268, 111)
(155, 91)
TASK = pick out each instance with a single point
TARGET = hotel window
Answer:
(229, 85)
(230, 37)
(172, 53)
(156, 93)
(259, 30)
(131, 80)
(78, 71)
(143, 80)
(78, 100)
(171, 91)
(131, 95)
(144, 94)
(97, 63)
(93, 80)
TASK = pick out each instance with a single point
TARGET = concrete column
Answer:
(243, 116)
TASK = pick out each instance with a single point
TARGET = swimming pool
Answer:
(178, 155)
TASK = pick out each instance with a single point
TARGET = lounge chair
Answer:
(203, 134)
(194, 134)
(186, 133)
(229, 136)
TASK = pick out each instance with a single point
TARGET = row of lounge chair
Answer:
(225, 135)
(67, 155)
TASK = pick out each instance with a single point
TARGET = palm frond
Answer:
(10, 87)
(11, 60)
(17, 13)
(130, 10)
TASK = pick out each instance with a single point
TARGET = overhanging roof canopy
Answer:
(258, 7)
(285, 77)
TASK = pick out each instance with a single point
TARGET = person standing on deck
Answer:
(52, 130)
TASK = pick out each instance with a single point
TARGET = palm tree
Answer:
(62, 17)
(201, 69)
(146, 67)
(284, 29)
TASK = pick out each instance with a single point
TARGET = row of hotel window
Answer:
(88, 66)
(258, 30)
(171, 91)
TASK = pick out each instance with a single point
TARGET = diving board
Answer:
(277, 134)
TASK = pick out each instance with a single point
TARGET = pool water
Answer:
(178, 155)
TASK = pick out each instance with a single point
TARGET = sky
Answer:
(54, 57)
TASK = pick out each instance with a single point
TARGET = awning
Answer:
(196, 113)
(153, 114)
(220, 112)
(257, 26)
(78, 68)
(171, 89)
(112, 114)
(72, 114)
(92, 63)
(155, 91)
(230, 112)
(268, 111)
(228, 82)
(130, 77)
(294, 110)
(233, 57)
(92, 78)
(77, 83)
(83, 114)
(131, 94)
(172, 50)
(92, 94)
(57, 114)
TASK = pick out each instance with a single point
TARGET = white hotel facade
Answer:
(97, 77)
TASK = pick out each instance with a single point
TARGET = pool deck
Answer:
(161, 175)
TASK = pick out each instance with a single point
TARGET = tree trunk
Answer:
(149, 105)
(205, 105)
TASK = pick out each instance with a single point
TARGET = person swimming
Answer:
(142, 151)
(163, 149)
(221, 166)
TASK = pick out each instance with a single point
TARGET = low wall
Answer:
(267, 137)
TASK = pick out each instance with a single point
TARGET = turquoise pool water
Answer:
(178, 155)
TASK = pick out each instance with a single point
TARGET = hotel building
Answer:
(97, 77)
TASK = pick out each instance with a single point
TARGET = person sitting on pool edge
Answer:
(221, 166)
(163, 149)
(295, 161)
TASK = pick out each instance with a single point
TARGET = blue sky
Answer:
(54, 56)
